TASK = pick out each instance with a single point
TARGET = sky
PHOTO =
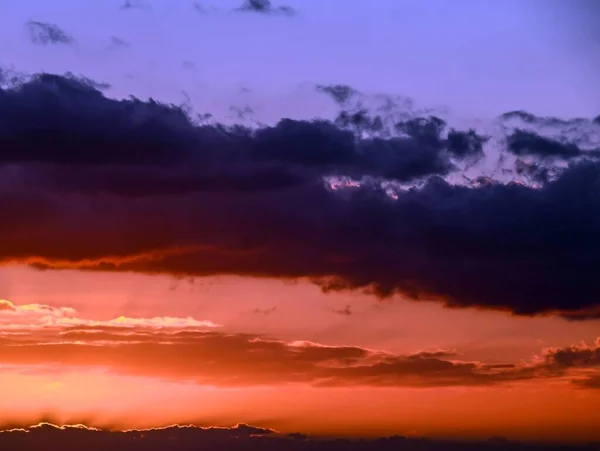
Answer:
(392, 208)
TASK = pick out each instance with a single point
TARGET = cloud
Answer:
(339, 93)
(590, 382)
(36, 316)
(239, 437)
(77, 436)
(135, 4)
(346, 311)
(7, 306)
(131, 185)
(578, 356)
(265, 311)
(190, 350)
(42, 33)
(265, 7)
(527, 143)
(115, 42)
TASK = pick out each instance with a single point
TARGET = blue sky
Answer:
(478, 57)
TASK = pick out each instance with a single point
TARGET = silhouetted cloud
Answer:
(346, 311)
(579, 356)
(128, 185)
(43, 33)
(241, 437)
(135, 4)
(265, 7)
(527, 143)
(590, 382)
(116, 42)
(264, 311)
(339, 93)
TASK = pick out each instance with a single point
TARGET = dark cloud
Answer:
(589, 382)
(523, 142)
(42, 33)
(346, 311)
(242, 437)
(263, 311)
(129, 185)
(339, 93)
(135, 4)
(580, 356)
(265, 7)
(116, 42)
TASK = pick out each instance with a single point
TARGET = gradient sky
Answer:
(139, 350)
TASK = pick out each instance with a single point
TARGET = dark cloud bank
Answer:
(92, 182)
(241, 437)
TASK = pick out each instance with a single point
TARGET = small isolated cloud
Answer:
(42, 33)
(264, 311)
(265, 7)
(116, 42)
(136, 4)
(202, 8)
(346, 311)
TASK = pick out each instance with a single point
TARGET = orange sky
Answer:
(135, 351)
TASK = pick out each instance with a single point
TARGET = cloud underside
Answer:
(34, 337)
(94, 183)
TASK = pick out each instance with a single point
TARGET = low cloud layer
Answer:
(241, 437)
(185, 349)
(356, 203)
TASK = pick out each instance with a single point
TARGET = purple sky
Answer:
(479, 57)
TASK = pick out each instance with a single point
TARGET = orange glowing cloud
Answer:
(187, 349)
(35, 316)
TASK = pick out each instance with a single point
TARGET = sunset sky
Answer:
(431, 273)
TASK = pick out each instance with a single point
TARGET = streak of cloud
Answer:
(42, 33)
(190, 350)
(265, 7)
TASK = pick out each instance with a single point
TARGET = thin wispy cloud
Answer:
(265, 7)
(42, 33)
